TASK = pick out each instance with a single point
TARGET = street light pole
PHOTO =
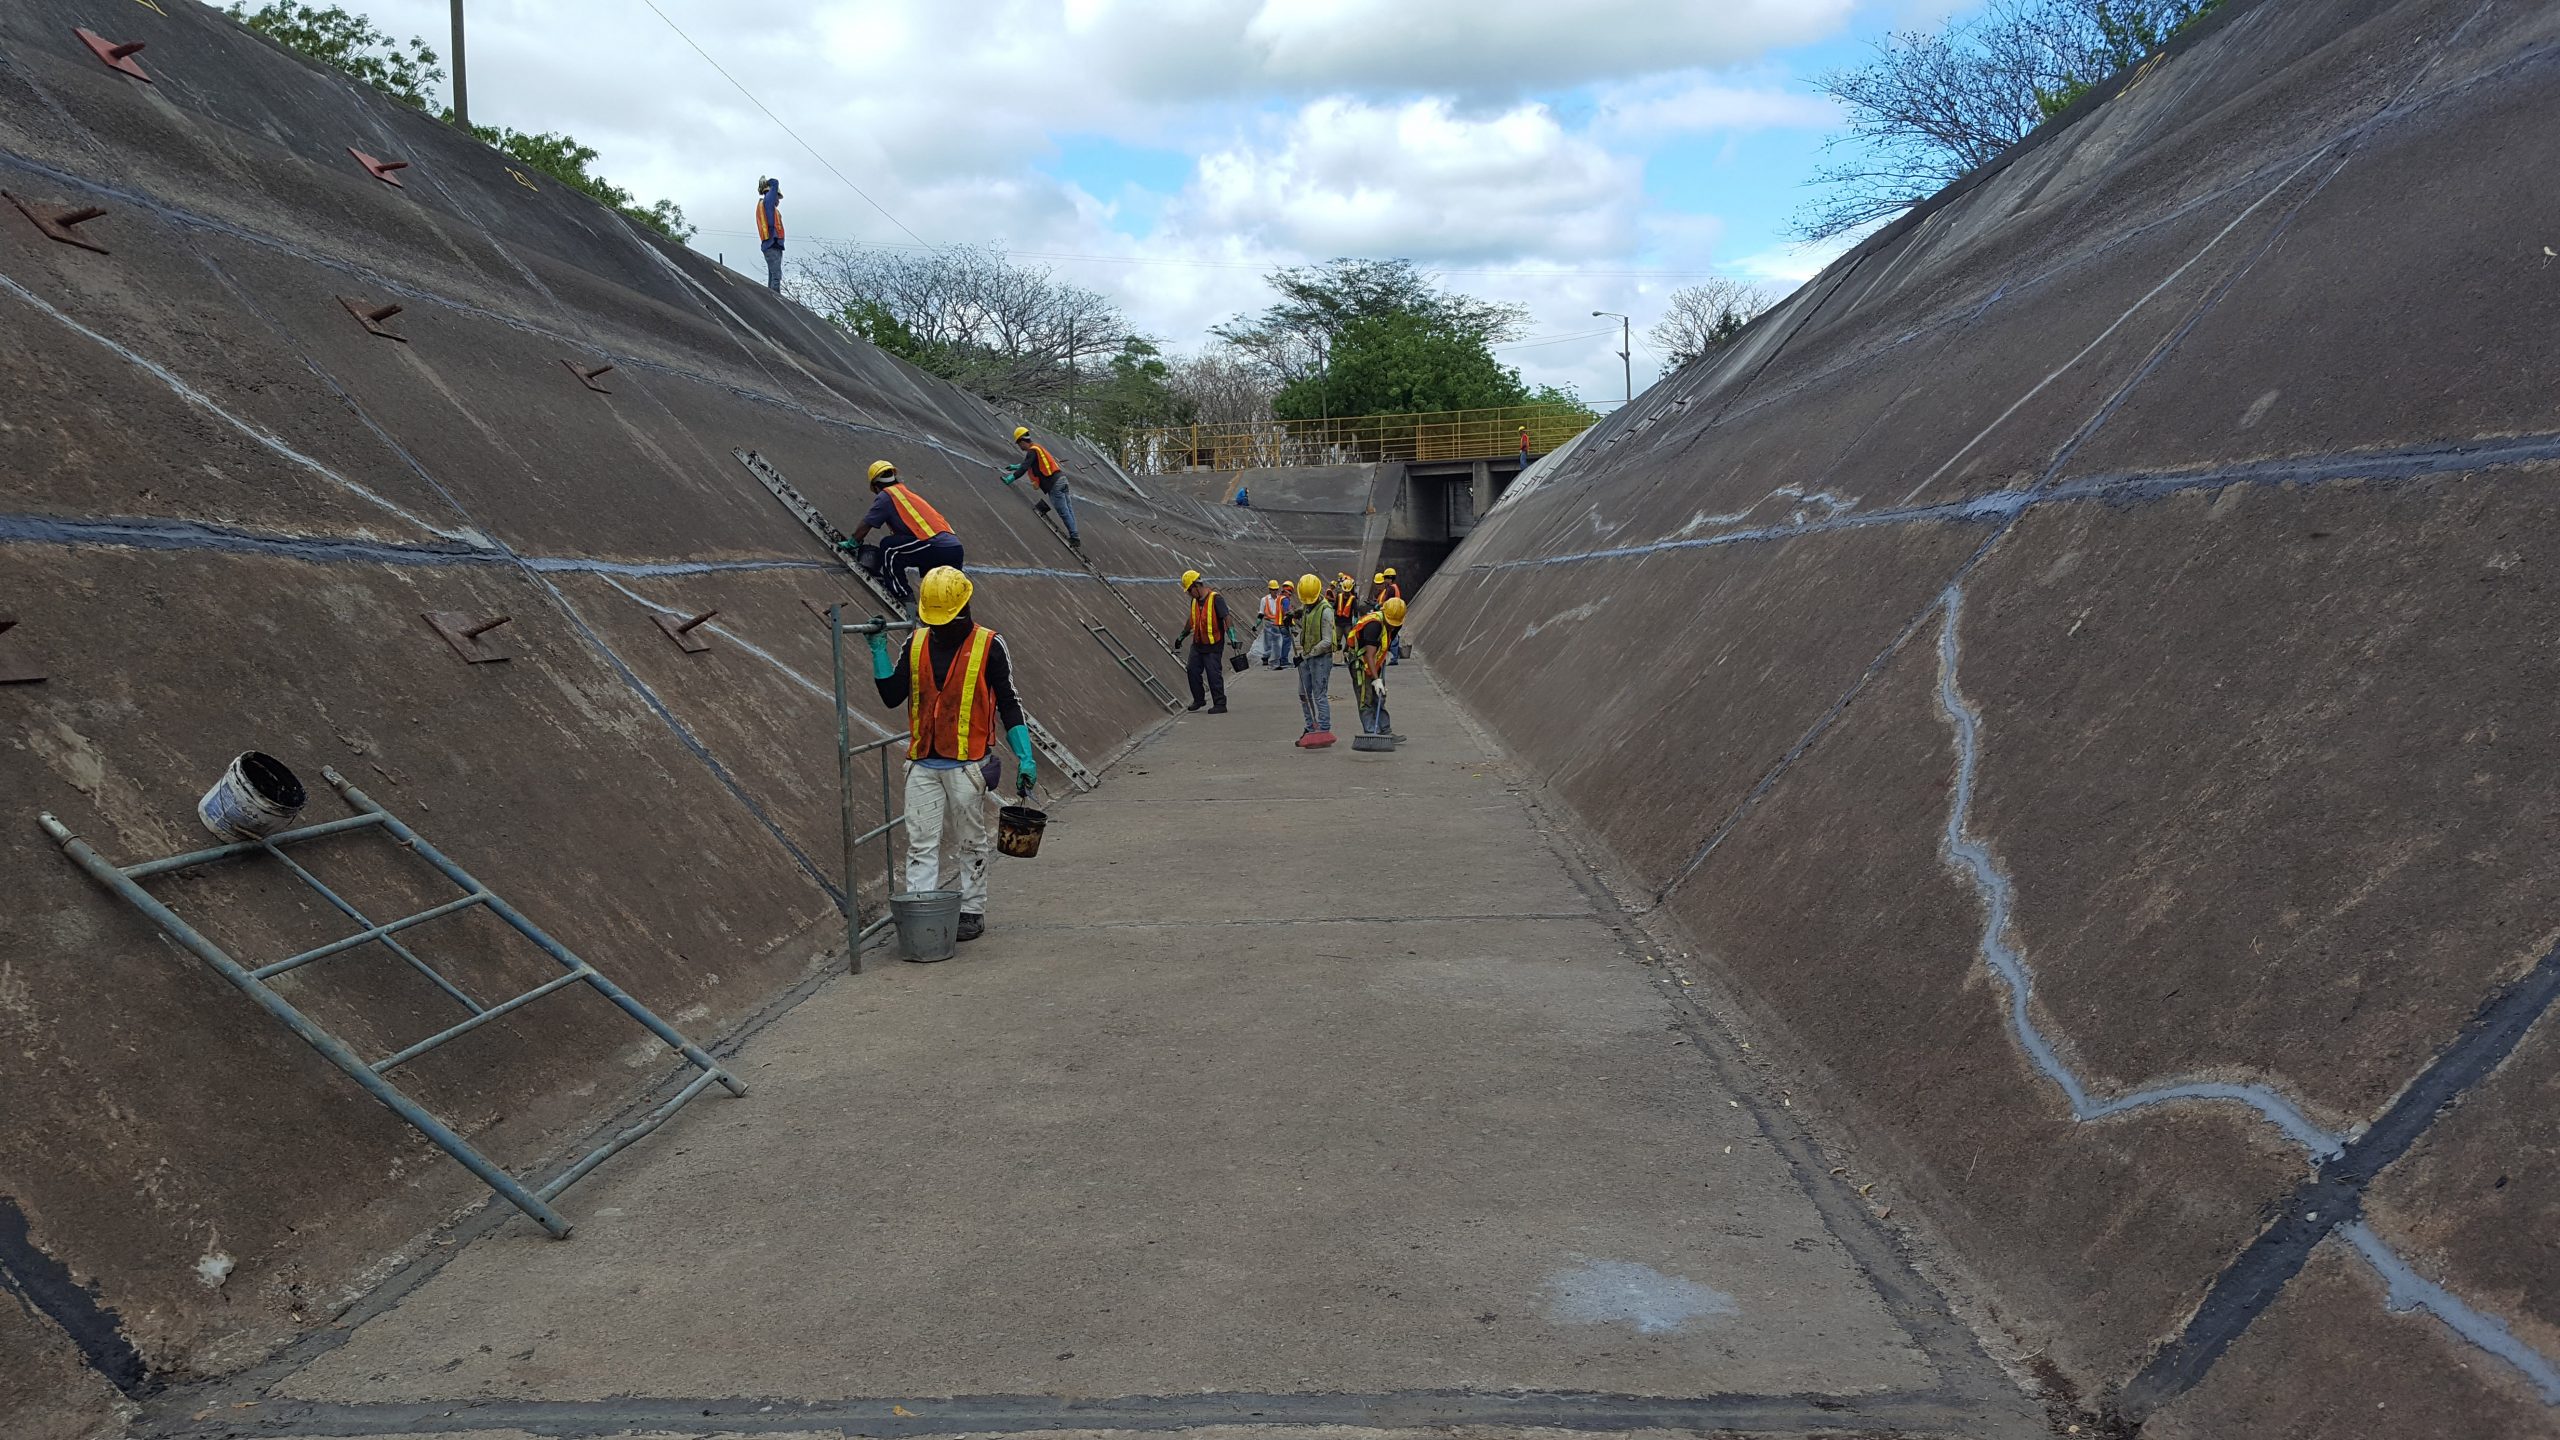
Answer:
(461, 90)
(1626, 342)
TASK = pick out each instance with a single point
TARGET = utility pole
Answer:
(461, 90)
(1626, 342)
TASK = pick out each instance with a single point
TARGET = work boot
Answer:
(972, 926)
(1218, 709)
(1075, 542)
(1196, 704)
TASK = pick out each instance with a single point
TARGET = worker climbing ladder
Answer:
(815, 520)
(535, 1202)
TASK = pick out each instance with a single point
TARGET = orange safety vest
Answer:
(922, 519)
(1204, 620)
(1272, 610)
(768, 222)
(1389, 591)
(1344, 604)
(954, 715)
(1044, 466)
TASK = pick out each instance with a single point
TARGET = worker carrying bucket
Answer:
(956, 682)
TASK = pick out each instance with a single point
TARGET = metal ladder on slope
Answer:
(1137, 669)
(815, 520)
(534, 1202)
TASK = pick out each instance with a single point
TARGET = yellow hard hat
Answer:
(1394, 611)
(881, 469)
(1190, 578)
(1378, 579)
(1310, 589)
(1391, 572)
(1021, 432)
(944, 593)
(1275, 584)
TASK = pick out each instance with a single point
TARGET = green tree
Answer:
(351, 45)
(1932, 107)
(1292, 338)
(1134, 392)
(565, 160)
(348, 43)
(1402, 363)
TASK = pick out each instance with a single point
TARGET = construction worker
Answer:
(1369, 646)
(1211, 628)
(1524, 447)
(1346, 605)
(919, 538)
(1275, 628)
(1317, 639)
(1049, 475)
(1388, 590)
(956, 680)
(769, 230)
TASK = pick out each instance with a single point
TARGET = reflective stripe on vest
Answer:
(1271, 609)
(1044, 466)
(954, 715)
(923, 521)
(768, 221)
(1204, 620)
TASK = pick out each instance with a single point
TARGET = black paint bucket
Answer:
(1018, 830)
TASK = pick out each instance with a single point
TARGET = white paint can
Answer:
(256, 796)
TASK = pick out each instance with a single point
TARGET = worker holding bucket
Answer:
(956, 682)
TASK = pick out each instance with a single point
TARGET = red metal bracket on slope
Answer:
(587, 375)
(380, 169)
(113, 55)
(57, 220)
(372, 316)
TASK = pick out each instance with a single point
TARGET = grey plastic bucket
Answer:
(928, 924)
(256, 796)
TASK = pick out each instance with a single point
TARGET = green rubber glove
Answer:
(883, 664)
(1026, 770)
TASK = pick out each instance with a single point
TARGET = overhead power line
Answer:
(786, 128)
(1182, 260)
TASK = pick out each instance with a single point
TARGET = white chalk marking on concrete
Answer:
(1621, 1292)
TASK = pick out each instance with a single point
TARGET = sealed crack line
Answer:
(1280, 920)
(2345, 1165)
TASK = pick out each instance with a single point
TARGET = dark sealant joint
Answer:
(56, 220)
(681, 631)
(46, 1286)
(372, 316)
(114, 55)
(15, 672)
(587, 375)
(463, 633)
(380, 169)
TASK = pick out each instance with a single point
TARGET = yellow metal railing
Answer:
(1351, 439)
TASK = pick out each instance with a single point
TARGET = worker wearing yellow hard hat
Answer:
(1370, 646)
(1278, 605)
(1317, 638)
(1044, 470)
(1210, 628)
(1390, 589)
(955, 679)
(918, 538)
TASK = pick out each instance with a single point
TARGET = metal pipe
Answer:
(194, 858)
(456, 1032)
(651, 1121)
(87, 858)
(367, 937)
(461, 90)
(533, 932)
(844, 796)
(394, 946)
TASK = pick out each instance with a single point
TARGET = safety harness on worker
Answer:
(922, 520)
(952, 715)
(1204, 620)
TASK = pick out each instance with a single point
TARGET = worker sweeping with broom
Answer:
(1371, 646)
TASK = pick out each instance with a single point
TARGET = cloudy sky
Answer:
(1570, 155)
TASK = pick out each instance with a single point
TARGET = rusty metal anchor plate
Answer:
(463, 633)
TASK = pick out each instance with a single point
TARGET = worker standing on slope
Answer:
(1210, 627)
(1317, 639)
(1275, 628)
(1369, 645)
(769, 230)
(956, 680)
(1049, 475)
(919, 538)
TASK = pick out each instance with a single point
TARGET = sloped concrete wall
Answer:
(2079, 672)
(226, 505)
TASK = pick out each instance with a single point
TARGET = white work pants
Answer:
(950, 805)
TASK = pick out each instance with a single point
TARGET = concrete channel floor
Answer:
(1311, 1088)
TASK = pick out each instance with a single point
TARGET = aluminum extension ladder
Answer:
(815, 521)
(535, 1202)
(1137, 668)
